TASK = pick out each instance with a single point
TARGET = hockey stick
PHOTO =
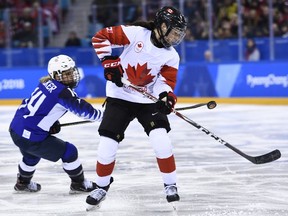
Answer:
(210, 105)
(261, 159)
(74, 123)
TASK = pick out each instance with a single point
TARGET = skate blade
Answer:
(73, 192)
(77, 192)
(92, 207)
(24, 192)
(174, 206)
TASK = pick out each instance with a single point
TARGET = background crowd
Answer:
(22, 22)
(22, 18)
(254, 16)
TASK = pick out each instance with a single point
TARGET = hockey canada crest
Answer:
(139, 46)
(139, 75)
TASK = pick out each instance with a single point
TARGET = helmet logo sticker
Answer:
(139, 46)
(169, 10)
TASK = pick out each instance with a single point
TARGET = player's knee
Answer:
(71, 153)
(107, 150)
(31, 161)
(161, 143)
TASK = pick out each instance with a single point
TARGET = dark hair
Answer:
(146, 24)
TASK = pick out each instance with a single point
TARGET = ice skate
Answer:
(82, 187)
(172, 195)
(22, 186)
(95, 198)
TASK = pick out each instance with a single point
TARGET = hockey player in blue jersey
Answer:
(36, 120)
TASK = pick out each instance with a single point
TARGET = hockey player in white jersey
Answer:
(148, 60)
(36, 120)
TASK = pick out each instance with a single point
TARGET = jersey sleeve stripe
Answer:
(170, 74)
(102, 52)
(98, 46)
(96, 39)
(104, 39)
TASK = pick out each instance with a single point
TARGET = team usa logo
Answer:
(139, 46)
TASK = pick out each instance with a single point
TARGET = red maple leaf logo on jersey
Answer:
(140, 75)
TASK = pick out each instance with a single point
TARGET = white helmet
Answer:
(59, 63)
(63, 63)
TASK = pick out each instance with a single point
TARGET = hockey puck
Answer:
(211, 104)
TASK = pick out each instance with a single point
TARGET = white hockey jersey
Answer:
(144, 64)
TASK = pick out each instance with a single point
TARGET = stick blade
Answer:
(266, 158)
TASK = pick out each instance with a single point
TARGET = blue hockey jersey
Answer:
(49, 101)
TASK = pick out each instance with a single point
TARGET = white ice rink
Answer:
(212, 179)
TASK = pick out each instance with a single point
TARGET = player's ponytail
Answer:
(45, 79)
(149, 25)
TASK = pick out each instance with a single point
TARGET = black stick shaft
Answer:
(191, 107)
(74, 123)
(269, 157)
(182, 108)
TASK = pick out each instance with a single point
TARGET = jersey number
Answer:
(34, 102)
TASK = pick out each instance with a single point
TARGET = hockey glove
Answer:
(113, 70)
(55, 128)
(166, 102)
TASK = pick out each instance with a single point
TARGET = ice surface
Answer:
(212, 179)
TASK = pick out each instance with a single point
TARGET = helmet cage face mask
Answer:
(172, 36)
(171, 26)
(70, 77)
(62, 68)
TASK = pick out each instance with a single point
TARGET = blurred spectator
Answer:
(189, 36)
(252, 52)
(284, 31)
(65, 6)
(51, 13)
(225, 19)
(73, 40)
(131, 11)
(3, 6)
(25, 37)
(26, 16)
(208, 56)
(104, 7)
(2, 34)
(254, 15)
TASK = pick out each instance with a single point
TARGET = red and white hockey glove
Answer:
(166, 102)
(113, 70)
